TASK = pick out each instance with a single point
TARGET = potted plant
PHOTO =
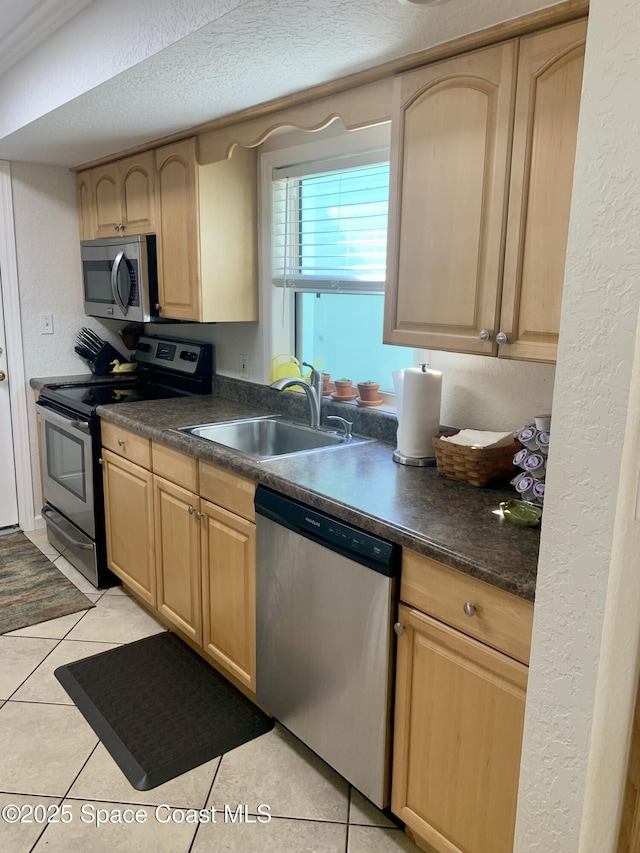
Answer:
(368, 391)
(326, 387)
(344, 387)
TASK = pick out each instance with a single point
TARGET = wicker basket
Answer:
(474, 465)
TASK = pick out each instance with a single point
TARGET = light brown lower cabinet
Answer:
(458, 737)
(128, 499)
(228, 591)
(191, 560)
(177, 534)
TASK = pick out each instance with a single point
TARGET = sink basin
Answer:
(268, 438)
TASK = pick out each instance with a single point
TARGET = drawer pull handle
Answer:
(399, 628)
(469, 608)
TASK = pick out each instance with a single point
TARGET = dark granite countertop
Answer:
(415, 507)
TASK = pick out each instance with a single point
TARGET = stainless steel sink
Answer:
(268, 438)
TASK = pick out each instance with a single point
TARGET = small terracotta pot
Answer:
(344, 388)
(326, 378)
(368, 391)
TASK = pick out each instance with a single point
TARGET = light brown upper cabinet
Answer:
(468, 272)
(544, 149)
(207, 235)
(118, 198)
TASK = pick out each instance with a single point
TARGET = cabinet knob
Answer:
(157, 306)
(399, 628)
(3, 375)
(198, 515)
(485, 335)
(191, 510)
(121, 442)
(115, 227)
(502, 338)
(469, 608)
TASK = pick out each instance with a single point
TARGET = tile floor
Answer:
(53, 766)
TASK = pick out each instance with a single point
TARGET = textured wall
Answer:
(103, 40)
(600, 309)
(48, 253)
(480, 392)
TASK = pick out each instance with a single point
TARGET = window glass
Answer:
(342, 333)
(329, 248)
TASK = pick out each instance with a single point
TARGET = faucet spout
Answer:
(312, 397)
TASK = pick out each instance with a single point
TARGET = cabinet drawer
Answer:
(133, 447)
(227, 490)
(175, 466)
(499, 619)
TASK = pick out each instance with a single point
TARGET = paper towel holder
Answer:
(417, 461)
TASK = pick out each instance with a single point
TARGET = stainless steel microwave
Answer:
(120, 279)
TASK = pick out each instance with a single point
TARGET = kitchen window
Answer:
(328, 247)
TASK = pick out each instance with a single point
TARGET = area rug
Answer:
(159, 708)
(32, 589)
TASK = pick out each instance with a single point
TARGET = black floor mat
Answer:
(159, 708)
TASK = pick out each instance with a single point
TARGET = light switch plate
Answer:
(46, 324)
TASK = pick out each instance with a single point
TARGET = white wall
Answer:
(480, 392)
(49, 274)
(563, 740)
(101, 41)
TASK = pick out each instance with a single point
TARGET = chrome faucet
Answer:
(313, 392)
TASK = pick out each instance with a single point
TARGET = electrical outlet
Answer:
(46, 324)
(244, 366)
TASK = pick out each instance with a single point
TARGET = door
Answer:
(228, 591)
(67, 466)
(177, 524)
(458, 737)
(137, 180)
(544, 146)
(8, 493)
(178, 231)
(450, 166)
(128, 504)
(107, 199)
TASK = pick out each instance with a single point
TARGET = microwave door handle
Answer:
(114, 284)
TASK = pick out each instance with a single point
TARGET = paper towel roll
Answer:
(418, 394)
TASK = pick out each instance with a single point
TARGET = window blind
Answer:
(330, 224)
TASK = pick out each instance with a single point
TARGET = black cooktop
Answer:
(113, 392)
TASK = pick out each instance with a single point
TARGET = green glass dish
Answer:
(521, 513)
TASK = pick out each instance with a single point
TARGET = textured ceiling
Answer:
(259, 50)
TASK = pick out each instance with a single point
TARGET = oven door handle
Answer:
(71, 423)
(49, 520)
(115, 269)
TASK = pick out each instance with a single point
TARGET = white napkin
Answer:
(479, 438)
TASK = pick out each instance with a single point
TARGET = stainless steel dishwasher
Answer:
(326, 598)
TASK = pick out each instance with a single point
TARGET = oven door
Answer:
(67, 465)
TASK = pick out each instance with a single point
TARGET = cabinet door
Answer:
(458, 738)
(228, 591)
(107, 200)
(128, 499)
(86, 210)
(137, 180)
(178, 557)
(449, 167)
(178, 228)
(544, 146)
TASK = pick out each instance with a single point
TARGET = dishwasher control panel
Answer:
(371, 550)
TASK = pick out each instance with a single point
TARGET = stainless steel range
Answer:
(71, 441)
